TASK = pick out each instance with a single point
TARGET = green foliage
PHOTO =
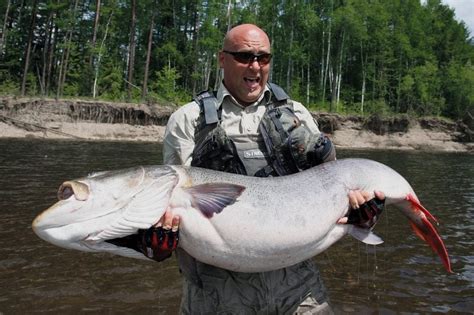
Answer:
(7, 85)
(378, 106)
(32, 84)
(111, 87)
(361, 56)
(459, 86)
(71, 90)
(165, 85)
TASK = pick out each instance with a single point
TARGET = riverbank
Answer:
(104, 121)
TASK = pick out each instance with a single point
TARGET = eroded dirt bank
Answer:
(91, 120)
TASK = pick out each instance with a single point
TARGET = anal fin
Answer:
(365, 235)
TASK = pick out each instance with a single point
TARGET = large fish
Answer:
(236, 222)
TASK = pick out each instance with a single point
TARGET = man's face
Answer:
(245, 80)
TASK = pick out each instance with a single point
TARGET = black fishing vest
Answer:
(284, 148)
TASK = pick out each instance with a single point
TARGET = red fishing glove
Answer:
(158, 243)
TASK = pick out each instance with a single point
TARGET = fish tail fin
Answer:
(427, 232)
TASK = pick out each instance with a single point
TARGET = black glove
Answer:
(368, 213)
(158, 243)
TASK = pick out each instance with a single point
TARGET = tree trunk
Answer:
(399, 79)
(131, 51)
(229, 15)
(28, 47)
(362, 93)
(333, 88)
(323, 71)
(194, 66)
(97, 64)
(148, 57)
(207, 74)
(47, 51)
(96, 22)
(66, 53)
(339, 75)
(308, 82)
(52, 49)
(374, 80)
(328, 54)
(290, 63)
(3, 39)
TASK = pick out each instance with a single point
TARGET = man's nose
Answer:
(254, 64)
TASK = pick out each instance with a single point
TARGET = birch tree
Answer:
(148, 56)
(131, 49)
(3, 37)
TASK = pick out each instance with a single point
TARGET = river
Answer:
(401, 275)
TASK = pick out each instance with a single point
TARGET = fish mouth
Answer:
(126, 246)
(130, 241)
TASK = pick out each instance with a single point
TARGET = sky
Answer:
(464, 10)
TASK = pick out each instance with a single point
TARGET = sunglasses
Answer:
(248, 57)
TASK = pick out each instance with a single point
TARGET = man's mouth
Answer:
(252, 83)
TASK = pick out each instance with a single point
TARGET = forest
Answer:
(345, 56)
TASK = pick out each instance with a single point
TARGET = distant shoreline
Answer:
(50, 119)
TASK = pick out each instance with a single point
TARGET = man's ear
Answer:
(221, 59)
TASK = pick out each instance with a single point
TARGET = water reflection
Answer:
(402, 275)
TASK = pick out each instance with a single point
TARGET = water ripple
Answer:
(401, 276)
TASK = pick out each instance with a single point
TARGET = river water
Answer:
(401, 275)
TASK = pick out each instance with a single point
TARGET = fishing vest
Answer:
(285, 146)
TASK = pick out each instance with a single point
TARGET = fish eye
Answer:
(65, 192)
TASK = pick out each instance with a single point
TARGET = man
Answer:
(249, 127)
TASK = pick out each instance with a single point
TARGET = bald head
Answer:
(246, 34)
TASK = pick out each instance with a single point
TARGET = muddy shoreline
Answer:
(107, 121)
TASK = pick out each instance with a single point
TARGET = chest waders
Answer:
(281, 150)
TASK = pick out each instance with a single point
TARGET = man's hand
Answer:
(365, 208)
(159, 241)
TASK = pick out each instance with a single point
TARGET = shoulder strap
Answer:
(208, 103)
(279, 94)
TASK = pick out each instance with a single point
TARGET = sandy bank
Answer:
(85, 131)
(50, 119)
(416, 138)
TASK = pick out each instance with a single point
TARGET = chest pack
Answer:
(213, 148)
(289, 146)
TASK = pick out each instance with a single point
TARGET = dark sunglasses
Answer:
(248, 57)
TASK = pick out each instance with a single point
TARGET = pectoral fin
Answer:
(364, 235)
(214, 197)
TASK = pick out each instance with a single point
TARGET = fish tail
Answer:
(427, 232)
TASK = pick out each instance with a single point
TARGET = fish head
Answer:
(104, 206)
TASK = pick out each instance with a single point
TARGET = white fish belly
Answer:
(271, 225)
